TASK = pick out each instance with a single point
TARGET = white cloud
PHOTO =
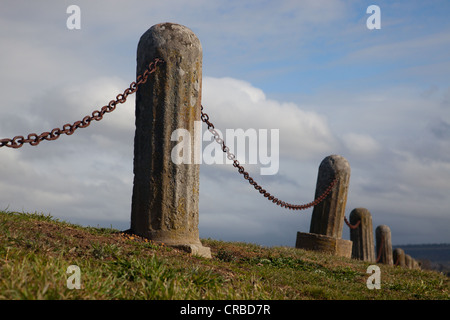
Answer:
(429, 177)
(233, 103)
(360, 144)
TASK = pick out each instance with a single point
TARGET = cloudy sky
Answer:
(312, 69)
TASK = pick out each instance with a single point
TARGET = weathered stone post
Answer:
(165, 200)
(384, 245)
(411, 263)
(408, 261)
(327, 219)
(398, 256)
(362, 235)
(328, 216)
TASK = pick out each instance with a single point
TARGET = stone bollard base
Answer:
(322, 243)
(195, 250)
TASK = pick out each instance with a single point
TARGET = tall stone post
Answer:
(328, 216)
(384, 245)
(327, 219)
(165, 201)
(362, 236)
(398, 256)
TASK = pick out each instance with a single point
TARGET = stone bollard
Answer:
(408, 261)
(398, 256)
(328, 216)
(411, 263)
(384, 245)
(165, 197)
(362, 235)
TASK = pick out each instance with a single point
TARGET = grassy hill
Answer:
(36, 250)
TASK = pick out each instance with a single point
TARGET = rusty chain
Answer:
(97, 115)
(352, 226)
(205, 118)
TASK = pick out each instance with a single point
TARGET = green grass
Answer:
(36, 250)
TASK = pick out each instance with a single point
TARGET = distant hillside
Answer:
(432, 256)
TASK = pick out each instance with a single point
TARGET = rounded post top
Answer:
(177, 45)
(383, 229)
(337, 163)
(359, 214)
(169, 37)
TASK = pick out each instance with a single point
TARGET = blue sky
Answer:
(380, 98)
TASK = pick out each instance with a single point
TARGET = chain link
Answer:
(97, 115)
(205, 118)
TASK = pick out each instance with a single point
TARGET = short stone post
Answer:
(398, 256)
(362, 235)
(408, 261)
(411, 263)
(165, 200)
(327, 219)
(384, 245)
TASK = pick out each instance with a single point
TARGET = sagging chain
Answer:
(68, 129)
(241, 170)
(352, 226)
